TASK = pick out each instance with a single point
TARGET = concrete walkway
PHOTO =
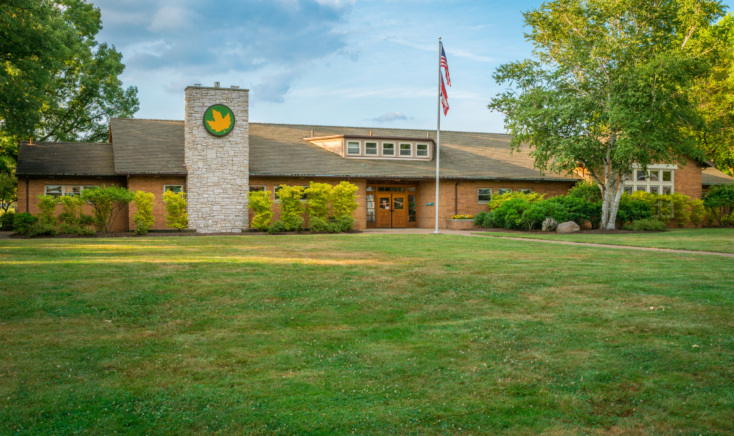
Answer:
(5, 235)
(542, 241)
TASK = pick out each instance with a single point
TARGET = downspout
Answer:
(456, 198)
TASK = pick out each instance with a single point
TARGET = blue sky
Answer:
(327, 62)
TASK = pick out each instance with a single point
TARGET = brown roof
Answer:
(712, 176)
(65, 158)
(148, 146)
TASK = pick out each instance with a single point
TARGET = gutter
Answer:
(530, 179)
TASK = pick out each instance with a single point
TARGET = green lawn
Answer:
(721, 240)
(358, 334)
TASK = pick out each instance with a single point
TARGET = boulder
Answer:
(568, 227)
(550, 225)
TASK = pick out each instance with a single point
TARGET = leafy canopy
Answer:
(107, 203)
(176, 215)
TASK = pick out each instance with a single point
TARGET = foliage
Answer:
(22, 222)
(509, 214)
(41, 229)
(85, 220)
(277, 227)
(678, 207)
(143, 217)
(6, 221)
(479, 218)
(345, 223)
(47, 204)
(698, 211)
(462, 217)
(318, 225)
(343, 199)
(606, 88)
(8, 190)
(319, 195)
(107, 203)
(537, 213)
(631, 210)
(580, 210)
(84, 231)
(719, 202)
(646, 225)
(291, 207)
(261, 202)
(587, 190)
(176, 215)
(71, 207)
(499, 200)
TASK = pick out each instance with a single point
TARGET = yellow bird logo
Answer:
(219, 124)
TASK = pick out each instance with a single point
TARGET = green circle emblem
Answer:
(219, 120)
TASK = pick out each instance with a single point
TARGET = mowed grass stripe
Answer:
(364, 334)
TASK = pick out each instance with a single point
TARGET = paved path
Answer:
(5, 235)
(542, 241)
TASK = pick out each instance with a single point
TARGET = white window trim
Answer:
(165, 188)
(265, 188)
(377, 148)
(491, 192)
(428, 150)
(647, 183)
(359, 145)
(382, 148)
(400, 149)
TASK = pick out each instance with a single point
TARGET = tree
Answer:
(176, 215)
(343, 199)
(143, 218)
(261, 203)
(107, 202)
(291, 207)
(8, 190)
(608, 88)
(318, 200)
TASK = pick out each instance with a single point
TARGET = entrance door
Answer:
(384, 211)
(399, 210)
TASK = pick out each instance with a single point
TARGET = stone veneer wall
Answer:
(218, 167)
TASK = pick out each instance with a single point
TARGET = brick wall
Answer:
(271, 182)
(688, 179)
(154, 185)
(36, 187)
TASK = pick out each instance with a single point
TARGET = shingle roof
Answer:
(712, 176)
(65, 158)
(148, 146)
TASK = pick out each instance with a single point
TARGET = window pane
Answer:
(385, 203)
(421, 150)
(641, 188)
(667, 190)
(370, 148)
(628, 190)
(667, 176)
(412, 207)
(399, 203)
(641, 175)
(353, 148)
(173, 188)
(654, 190)
(370, 189)
(411, 188)
(371, 208)
(257, 188)
(628, 176)
(54, 191)
(654, 176)
(504, 190)
(525, 191)
(484, 195)
(276, 190)
(72, 191)
(406, 149)
(388, 149)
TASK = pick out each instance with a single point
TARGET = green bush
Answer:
(22, 222)
(343, 199)
(6, 221)
(509, 214)
(319, 195)
(85, 220)
(499, 200)
(107, 202)
(719, 203)
(277, 227)
(41, 229)
(67, 229)
(84, 231)
(646, 225)
(586, 190)
(47, 204)
(631, 210)
(579, 210)
(345, 223)
(176, 215)
(534, 216)
(143, 217)
(70, 209)
(479, 218)
(318, 225)
(291, 207)
(262, 204)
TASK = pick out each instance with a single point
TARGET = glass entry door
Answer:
(399, 210)
(392, 210)
(384, 211)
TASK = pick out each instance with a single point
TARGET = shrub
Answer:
(176, 216)
(143, 217)
(345, 223)
(586, 190)
(6, 221)
(579, 210)
(479, 218)
(537, 213)
(509, 214)
(67, 229)
(41, 229)
(47, 204)
(22, 222)
(262, 204)
(318, 225)
(85, 220)
(319, 195)
(719, 203)
(84, 231)
(499, 200)
(291, 207)
(277, 227)
(698, 211)
(70, 209)
(646, 225)
(631, 210)
(107, 202)
(343, 199)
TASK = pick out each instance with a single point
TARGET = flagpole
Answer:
(438, 133)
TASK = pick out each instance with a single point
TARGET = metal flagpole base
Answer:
(436, 233)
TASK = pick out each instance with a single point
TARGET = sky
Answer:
(368, 63)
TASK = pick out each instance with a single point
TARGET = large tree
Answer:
(56, 82)
(607, 89)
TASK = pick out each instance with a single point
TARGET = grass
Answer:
(357, 334)
(720, 240)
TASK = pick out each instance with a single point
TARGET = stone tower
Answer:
(218, 166)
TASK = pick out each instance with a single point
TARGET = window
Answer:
(412, 208)
(654, 189)
(370, 148)
(667, 190)
(68, 191)
(641, 175)
(388, 149)
(484, 195)
(371, 208)
(525, 191)
(406, 149)
(173, 188)
(353, 147)
(391, 189)
(258, 188)
(641, 188)
(54, 191)
(654, 176)
(277, 189)
(370, 189)
(504, 191)
(628, 190)
(667, 176)
(657, 180)
(421, 150)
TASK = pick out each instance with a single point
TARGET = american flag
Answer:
(445, 65)
(444, 98)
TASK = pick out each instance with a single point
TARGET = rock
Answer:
(550, 225)
(568, 227)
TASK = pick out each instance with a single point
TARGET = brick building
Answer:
(393, 168)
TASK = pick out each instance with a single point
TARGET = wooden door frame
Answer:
(376, 192)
